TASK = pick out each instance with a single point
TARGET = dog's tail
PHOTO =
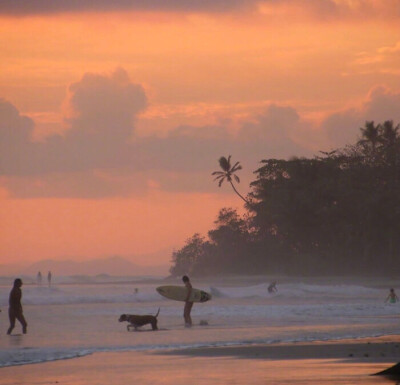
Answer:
(157, 313)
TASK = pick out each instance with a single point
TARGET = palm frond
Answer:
(219, 177)
(236, 167)
(225, 163)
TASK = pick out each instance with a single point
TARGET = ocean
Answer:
(78, 316)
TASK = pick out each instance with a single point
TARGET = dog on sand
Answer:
(136, 321)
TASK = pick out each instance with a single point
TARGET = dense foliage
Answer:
(338, 213)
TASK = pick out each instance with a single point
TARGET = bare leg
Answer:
(186, 313)
(12, 317)
(21, 319)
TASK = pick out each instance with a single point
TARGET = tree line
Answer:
(337, 213)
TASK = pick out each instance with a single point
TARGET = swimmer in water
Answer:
(392, 297)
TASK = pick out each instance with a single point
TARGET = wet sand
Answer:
(378, 349)
(332, 362)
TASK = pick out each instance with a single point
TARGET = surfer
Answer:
(188, 304)
(392, 297)
(15, 308)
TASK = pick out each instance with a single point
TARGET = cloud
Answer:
(383, 60)
(100, 102)
(89, 184)
(390, 49)
(274, 124)
(320, 9)
(330, 10)
(100, 154)
(104, 111)
(28, 7)
(343, 127)
(15, 138)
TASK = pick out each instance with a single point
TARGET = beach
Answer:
(319, 362)
(309, 332)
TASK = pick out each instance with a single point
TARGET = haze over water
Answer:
(72, 320)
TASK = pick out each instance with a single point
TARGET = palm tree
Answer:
(370, 135)
(389, 132)
(228, 172)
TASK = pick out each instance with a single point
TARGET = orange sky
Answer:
(113, 114)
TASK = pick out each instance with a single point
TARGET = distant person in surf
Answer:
(272, 288)
(136, 293)
(15, 307)
(39, 278)
(49, 278)
(188, 304)
(392, 297)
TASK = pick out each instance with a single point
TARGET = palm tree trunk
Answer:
(237, 192)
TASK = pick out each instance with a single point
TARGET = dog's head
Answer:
(123, 317)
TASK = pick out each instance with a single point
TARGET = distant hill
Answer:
(110, 265)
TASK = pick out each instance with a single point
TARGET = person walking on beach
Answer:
(188, 304)
(15, 307)
(392, 297)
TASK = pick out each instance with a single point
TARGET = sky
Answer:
(113, 115)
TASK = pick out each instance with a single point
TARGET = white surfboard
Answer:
(179, 293)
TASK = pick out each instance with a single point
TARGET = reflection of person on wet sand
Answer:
(15, 308)
(272, 288)
(392, 297)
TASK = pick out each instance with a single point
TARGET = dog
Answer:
(137, 321)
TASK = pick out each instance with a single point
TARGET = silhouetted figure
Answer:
(392, 297)
(272, 288)
(188, 305)
(15, 307)
(49, 278)
(39, 278)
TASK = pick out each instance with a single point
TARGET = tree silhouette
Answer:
(370, 135)
(228, 173)
(326, 215)
(389, 133)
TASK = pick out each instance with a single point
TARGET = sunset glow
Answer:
(113, 118)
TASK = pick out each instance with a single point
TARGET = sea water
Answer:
(79, 316)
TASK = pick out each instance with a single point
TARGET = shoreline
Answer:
(322, 362)
(372, 349)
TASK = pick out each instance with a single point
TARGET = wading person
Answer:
(392, 297)
(188, 304)
(15, 307)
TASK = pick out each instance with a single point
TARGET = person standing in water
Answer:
(39, 278)
(188, 304)
(392, 297)
(272, 288)
(15, 307)
(49, 278)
